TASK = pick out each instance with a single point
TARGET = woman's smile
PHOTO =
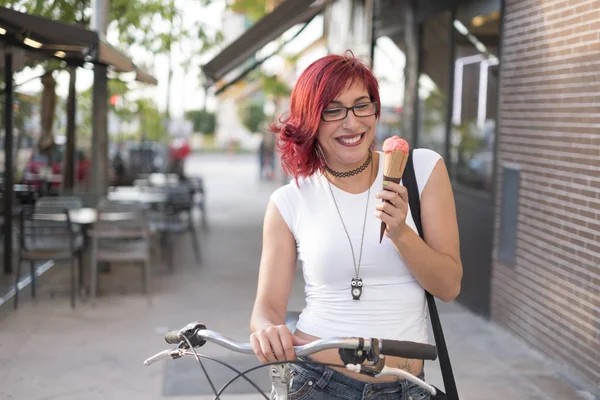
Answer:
(351, 140)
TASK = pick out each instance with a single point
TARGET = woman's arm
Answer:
(270, 337)
(435, 262)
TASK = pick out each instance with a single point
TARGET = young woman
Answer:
(329, 217)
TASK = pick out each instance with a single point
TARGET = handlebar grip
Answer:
(173, 337)
(405, 349)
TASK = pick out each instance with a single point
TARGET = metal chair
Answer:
(120, 240)
(48, 234)
(85, 197)
(174, 217)
(199, 198)
(58, 204)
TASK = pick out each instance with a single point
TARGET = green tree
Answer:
(84, 111)
(152, 124)
(203, 39)
(252, 116)
(123, 108)
(24, 105)
(134, 21)
(208, 39)
(253, 9)
(434, 110)
(203, 121)
(275, 87)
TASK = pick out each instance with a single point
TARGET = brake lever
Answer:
(175, 353)
(387, 371)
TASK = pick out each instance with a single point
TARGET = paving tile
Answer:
(500, 388)
(554, 387)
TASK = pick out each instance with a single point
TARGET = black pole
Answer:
(417, 102)
(373, 43)
(99, 181)
(71, 147)
(372, 48)
(8, 160)
(450, 102)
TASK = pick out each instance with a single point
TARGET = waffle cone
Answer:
(393, 168)
(394, 164)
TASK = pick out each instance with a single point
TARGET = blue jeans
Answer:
(317, 382)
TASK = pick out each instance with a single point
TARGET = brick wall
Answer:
(550, 126)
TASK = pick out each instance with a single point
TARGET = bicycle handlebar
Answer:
(394, 348)
(196, 335)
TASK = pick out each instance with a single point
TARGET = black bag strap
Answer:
(409, 181)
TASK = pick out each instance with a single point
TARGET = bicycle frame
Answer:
(280, 376)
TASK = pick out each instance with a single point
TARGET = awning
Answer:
(144, 77)
(273, 25)
(69, 42)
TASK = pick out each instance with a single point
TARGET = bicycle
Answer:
(364, 356)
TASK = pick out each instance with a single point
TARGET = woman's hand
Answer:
(275, 343)
(394, 209)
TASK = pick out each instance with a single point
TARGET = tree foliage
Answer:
(152, 126)
(203, 121)
(273, 86)
(252, 116)
(133, 20)
(253, 9)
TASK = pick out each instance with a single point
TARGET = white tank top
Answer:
(392, 305)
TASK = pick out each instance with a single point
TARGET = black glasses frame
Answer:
(348, 109)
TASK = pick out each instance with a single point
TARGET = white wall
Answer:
(228, 125)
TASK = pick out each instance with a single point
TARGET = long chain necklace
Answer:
(356, 284)
(355, 171)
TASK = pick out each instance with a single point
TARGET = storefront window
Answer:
(475, 97)
(388, 64)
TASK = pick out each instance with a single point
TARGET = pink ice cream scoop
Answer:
(395, 143)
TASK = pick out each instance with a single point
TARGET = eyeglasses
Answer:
(359, 110)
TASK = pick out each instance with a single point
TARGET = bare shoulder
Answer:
(438, 213)
(437, 194)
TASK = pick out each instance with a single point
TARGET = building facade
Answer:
(546, 266)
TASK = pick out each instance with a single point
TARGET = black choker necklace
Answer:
(353, 172)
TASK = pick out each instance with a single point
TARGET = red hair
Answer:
(317, 86)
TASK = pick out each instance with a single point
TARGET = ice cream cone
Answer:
(394, 164)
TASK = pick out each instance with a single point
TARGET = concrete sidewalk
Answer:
(48, 351)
